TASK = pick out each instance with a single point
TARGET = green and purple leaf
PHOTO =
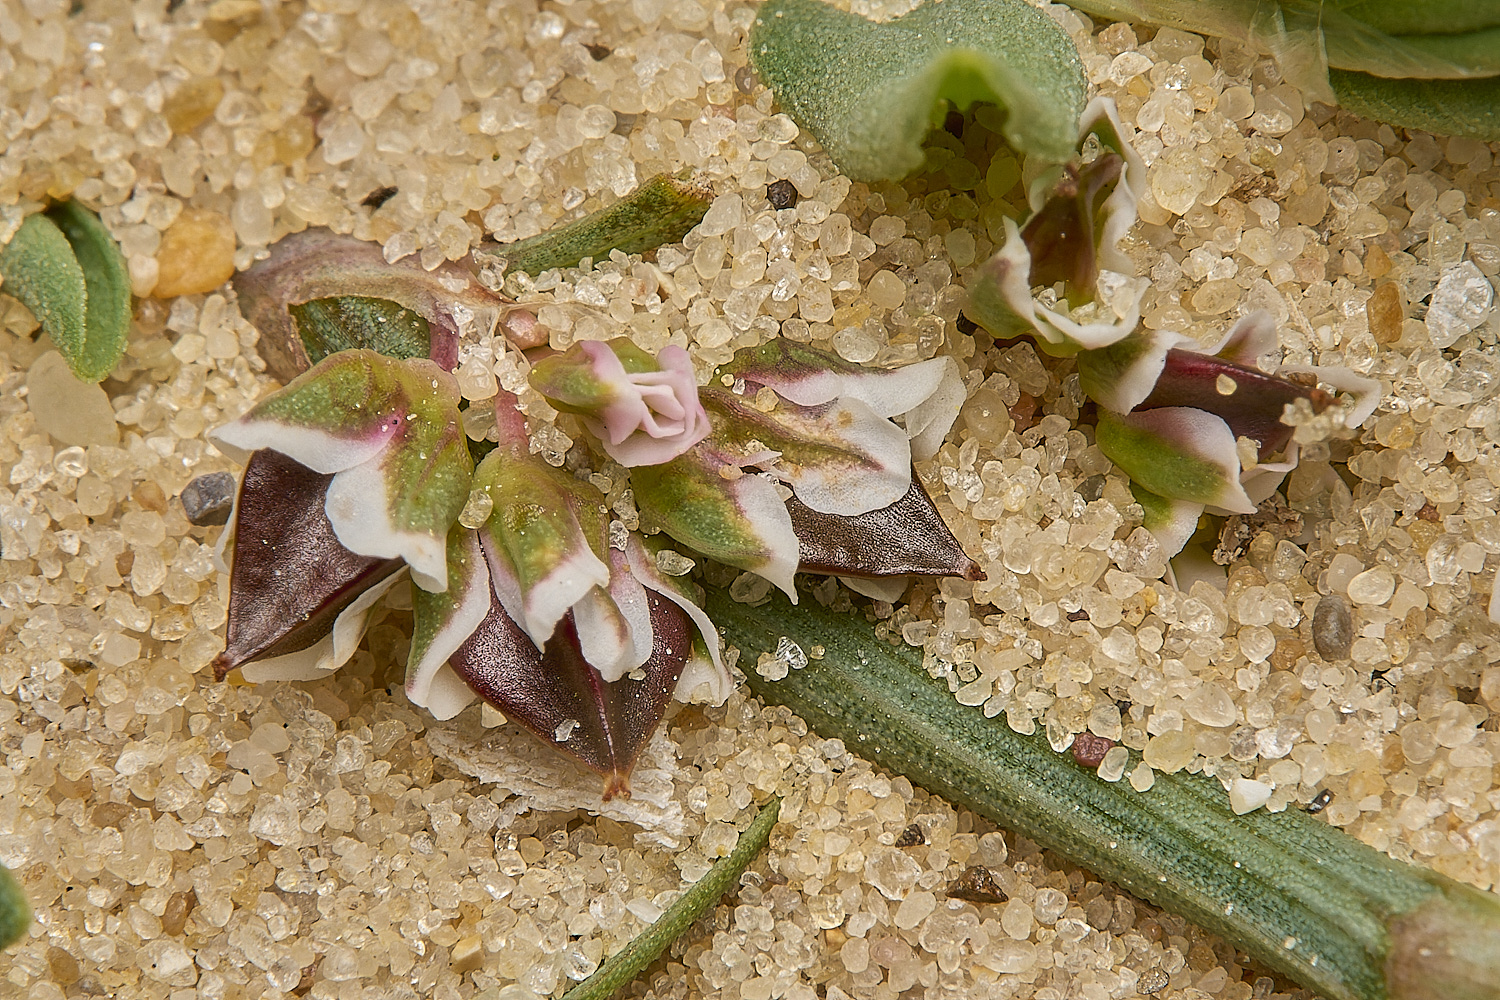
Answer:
(1177, 452)
(389, 432)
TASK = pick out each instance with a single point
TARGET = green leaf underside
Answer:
(41, 270)
(428, 477)
(328, 326)
(542, 516)
(1447, 107)
(1159, 465)
(680, 498)
(870, 92)
(1415, 17)
(15, 909)
(107, 304)
(1101, 369)
(352, 395)
(659, 212)
(1307, 900)
(624, 965)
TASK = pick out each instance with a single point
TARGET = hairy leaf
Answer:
(870, 92)
(107, 314)
(40, 269)
(659, 212)
(328, 326)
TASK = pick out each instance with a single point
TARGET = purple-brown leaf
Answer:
(565, 702)
(290, 577)
(908, 537)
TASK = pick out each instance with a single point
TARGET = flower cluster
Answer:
(1195, 427)
(528, 594)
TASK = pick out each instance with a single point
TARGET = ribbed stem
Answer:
(1300, 896)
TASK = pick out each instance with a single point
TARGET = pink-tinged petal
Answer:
(838, 457)
(905, 538)
(320, 264)
(564, 701)
(1177, 452)
(442, 621)
(291, 578)
(319, 450)
(1250, 401)
(1365, 392)
(1000, 300)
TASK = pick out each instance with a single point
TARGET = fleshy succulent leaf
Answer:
(349, 322)
(107, 278)
(291, 578)
(390, 431)
(704, 500)
(442, 622)
(564, 701)
(928, 394)
(870, 92)
(38, 267)
(320, 264)
(543, 539)
(907, 537)
(1177, 452)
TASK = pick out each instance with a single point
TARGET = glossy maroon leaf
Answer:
(908, 537)
(290, 577)
(1253, 409)
(563, 701)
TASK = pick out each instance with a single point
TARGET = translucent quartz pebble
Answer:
(892, 872)
(1373, 586)
(1461, 301)
(73, 412)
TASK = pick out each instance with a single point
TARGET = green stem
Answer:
(1298, 895)
(627, 963)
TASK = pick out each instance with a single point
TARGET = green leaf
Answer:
(346, 322)
(1447, 107)
(107, 302)
(15, 909)
(1415, 17)
(870, 92)
(659, 212)
(40, 269)
(1300, 896)
(630, 961)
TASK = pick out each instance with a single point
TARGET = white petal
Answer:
(884, 477)
(929, 421)
(1366, 391)
(1173, 532)
(883, 588)
(1251, 338)
(472, 606)
(329, 653)
(643, 568)
(540, 608)
(1119, 208)
(358, 509)
(763, 507)
(446, 694)
(1204, 436)
(703, 682)
(318, 450)
(897, 390)
(604, 636)
(1267, 477)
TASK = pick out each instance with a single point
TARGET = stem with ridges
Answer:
(627, 963)
(1298, 895)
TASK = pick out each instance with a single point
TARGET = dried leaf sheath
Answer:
(291, 578)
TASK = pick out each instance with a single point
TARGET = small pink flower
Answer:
(644, 411)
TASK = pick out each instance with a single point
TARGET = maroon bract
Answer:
(291, 579)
